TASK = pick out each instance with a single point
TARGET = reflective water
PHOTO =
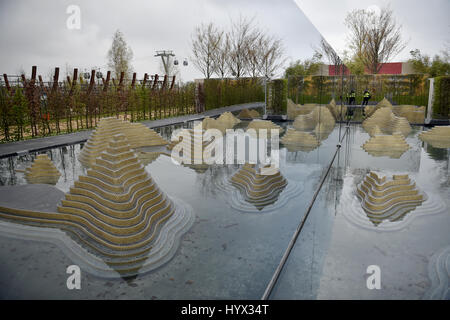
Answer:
(231, 251)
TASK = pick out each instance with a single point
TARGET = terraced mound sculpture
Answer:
(229, 119)
(391, 199)
(196, 145)
(380, 145)
(309, 130)
(294, 110)
(42, 170)
(264, 124)
(370, 110)
(118, 214)
(387, 123)
(413, 114)
(210, 123)
(248, 114)
(259, 190)
(295, 140)
(438, 137)
(137, 134)
(318, 115)
(338, 112)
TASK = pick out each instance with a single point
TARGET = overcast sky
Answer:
(35, 32)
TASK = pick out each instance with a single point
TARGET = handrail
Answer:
(286, 254)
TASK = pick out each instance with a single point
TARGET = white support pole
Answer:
(430, 101)
(265, 96)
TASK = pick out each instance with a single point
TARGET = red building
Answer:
(394, 68)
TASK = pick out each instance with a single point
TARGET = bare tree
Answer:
(271, 55)
(221, 57)
(120, 56)
(241, 37)
(356, 22)
(375, 38)
(254, 52)
(205, 43)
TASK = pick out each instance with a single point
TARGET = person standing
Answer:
(366, 98)
(352, 97)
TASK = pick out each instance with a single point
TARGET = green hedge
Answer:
(441, 102)
(279, 96)
(221, 93)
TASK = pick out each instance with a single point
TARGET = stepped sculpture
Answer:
(259, 190)
(338, 112)
(294, 110)
(42, 170)
(196, 145)
(295, 140)
(248, 114)
(226, 121)
(264, 124)
(118, 214)
(370, 110)
(309, 129)
(229, 119)
(209, 123)
(413, 114)
(387, 123)
(391, 199)
(124, 223)
(309, 121)
(380, 144)
(438, 137)
(137, 134)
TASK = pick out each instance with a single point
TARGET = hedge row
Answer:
(278, 101)
(441, 101)
(226, 92)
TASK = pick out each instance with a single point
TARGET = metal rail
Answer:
(286, 254)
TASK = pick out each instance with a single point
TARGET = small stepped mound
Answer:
(259, 190)
(387, 123)
(295, 140)
(391, 199)
(413, 114)
(195, 144)
(370, 110)
(248, 114)
(264, 124)
(438, 137)
(294, 110)
(210, 123)
(338, 112)
(229, 119)
(42, 170)
(309, 121)
(137, 134)
(380, 145)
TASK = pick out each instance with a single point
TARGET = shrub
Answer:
(278, 100)
(226, 92)
(441, 102)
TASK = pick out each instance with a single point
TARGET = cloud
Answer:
(35, 32)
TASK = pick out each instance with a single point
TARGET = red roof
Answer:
(386, 68)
